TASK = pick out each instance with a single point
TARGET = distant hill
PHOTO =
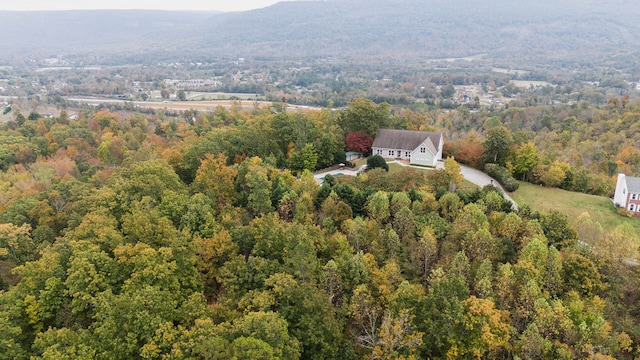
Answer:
(90, 32)
(514, 30)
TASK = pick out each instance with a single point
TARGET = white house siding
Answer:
(423, 158)
(415, 157)
(409, 139)
(386, 153)
(620, 196)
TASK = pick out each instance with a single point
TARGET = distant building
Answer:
(627, 193)
(190, 83)
(419, 147)
(353, 155)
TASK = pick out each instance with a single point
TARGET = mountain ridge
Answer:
(402, 29)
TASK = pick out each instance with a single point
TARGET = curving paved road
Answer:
(481, 179)
(470, 174)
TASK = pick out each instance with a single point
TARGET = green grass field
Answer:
(394, 168)
(573, 204)
(360, 162)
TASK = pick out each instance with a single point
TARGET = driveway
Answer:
(481, 179)
(470, 174)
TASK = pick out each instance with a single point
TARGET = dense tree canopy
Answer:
(127, 235)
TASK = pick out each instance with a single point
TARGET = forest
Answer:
(204, 235)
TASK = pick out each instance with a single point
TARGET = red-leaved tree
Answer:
(359, 141)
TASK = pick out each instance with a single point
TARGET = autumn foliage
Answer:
(148, 237)
(465, 152)
(359, 141)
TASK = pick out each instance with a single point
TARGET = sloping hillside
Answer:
(517, 31)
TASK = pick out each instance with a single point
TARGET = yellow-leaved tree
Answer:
(397, 339)
(619, 245)
(452, 168)
(486, 329)
(215, 179)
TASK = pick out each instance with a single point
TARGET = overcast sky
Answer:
(221, 5)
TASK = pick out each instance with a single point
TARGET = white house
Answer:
(627, 193)
(419, 147)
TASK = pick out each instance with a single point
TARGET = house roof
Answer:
(633, 184)
(407, 140)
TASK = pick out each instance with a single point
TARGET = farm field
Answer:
(529, 83)
(510, 71)
(203, 96)
(186, 105)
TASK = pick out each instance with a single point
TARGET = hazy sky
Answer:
(221, 5)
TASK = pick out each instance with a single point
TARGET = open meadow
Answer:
(573, 204)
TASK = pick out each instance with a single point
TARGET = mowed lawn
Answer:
(573, 204)
(393, 167)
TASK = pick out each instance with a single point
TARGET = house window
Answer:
(423, 150)
(407, 154)
(634, 196)
(632, 207)
(392, 153)
(379, 152)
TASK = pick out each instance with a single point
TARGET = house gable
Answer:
(429, 146)
(419, 147)
(425, 154)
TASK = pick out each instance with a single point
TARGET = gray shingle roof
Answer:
(633, 184)
(407, 140)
